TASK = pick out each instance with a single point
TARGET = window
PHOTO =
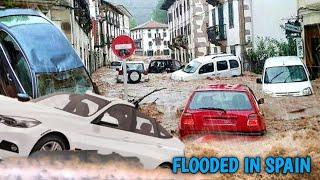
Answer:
(18, 62)
(164, 34)
(11, 21)
(149, 33)
(222, 65)
(207, 68)
(145, 126)
(231, 16)
(233, 50)
(234, 64)
(7, 87)
(125, 115)
(73, 81)
(81, 105)
(192, 67)
(229, 101)
(214, 23)
(285, 74)
(180, 9)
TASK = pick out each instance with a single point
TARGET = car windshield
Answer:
(135, 66)
(191, 67)
(72, 81)
(285, 74)
(116, 64)
(11, 21)
(220, 100)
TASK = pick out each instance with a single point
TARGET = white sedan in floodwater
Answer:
(84, 122)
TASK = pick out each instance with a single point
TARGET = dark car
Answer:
(164, 65)
(36, 59)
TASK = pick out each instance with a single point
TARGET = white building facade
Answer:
(261, 18)
(188, 28)
(151, 39)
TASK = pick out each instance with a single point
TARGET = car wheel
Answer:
(134, 77)
(165, 166)
(49, 143)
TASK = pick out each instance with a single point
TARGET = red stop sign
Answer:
(123, 46)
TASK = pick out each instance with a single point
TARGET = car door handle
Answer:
(9, 77)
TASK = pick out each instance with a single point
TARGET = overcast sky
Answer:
(140, 9)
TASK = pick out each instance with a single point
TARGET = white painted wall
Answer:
(143, 34)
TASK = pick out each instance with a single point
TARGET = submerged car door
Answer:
(207, 70)
(223, 69)
(120, 130)
(235, 69)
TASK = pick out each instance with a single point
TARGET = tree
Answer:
(267, 47)
(158, 14)
(133, 23)
(8, 3)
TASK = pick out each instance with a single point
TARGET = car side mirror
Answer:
(261, 101)
(259, 81)
(110, 120)
(22, 97)
(117, 69)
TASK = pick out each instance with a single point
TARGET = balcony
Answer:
(217, 34)
(215, 2)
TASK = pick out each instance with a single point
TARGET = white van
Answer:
(285, 76)
(220, 65)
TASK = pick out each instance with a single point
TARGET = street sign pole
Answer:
(123, 47)
(125, 79)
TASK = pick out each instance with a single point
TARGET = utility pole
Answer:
(242, 32)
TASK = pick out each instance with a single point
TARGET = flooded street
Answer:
(293, 123)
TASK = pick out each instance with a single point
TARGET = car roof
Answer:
(283, 61)
(18, 11)
(224, 87)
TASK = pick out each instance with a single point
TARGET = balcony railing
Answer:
(217, 33)
(215, 2)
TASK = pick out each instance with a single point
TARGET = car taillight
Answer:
(187, 120)
(145, 72)
(253, 120)
(120, 72)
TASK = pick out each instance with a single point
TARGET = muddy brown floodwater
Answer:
(293, 126)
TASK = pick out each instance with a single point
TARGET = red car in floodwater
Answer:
(222, 108)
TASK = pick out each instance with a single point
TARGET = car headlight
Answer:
(307, 91)
(18, 122)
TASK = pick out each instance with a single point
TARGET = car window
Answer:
(192, 67)
(145, 126)
(72, 81)
(22, 20)
(226, 100)
(222, 65)
(17, 61)
(177, 64)
(126, 116)
(207, 68)
(285, 74)
(81, 105)
(115, 63)
(234, 64)
(7, 87)
(135, 66)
